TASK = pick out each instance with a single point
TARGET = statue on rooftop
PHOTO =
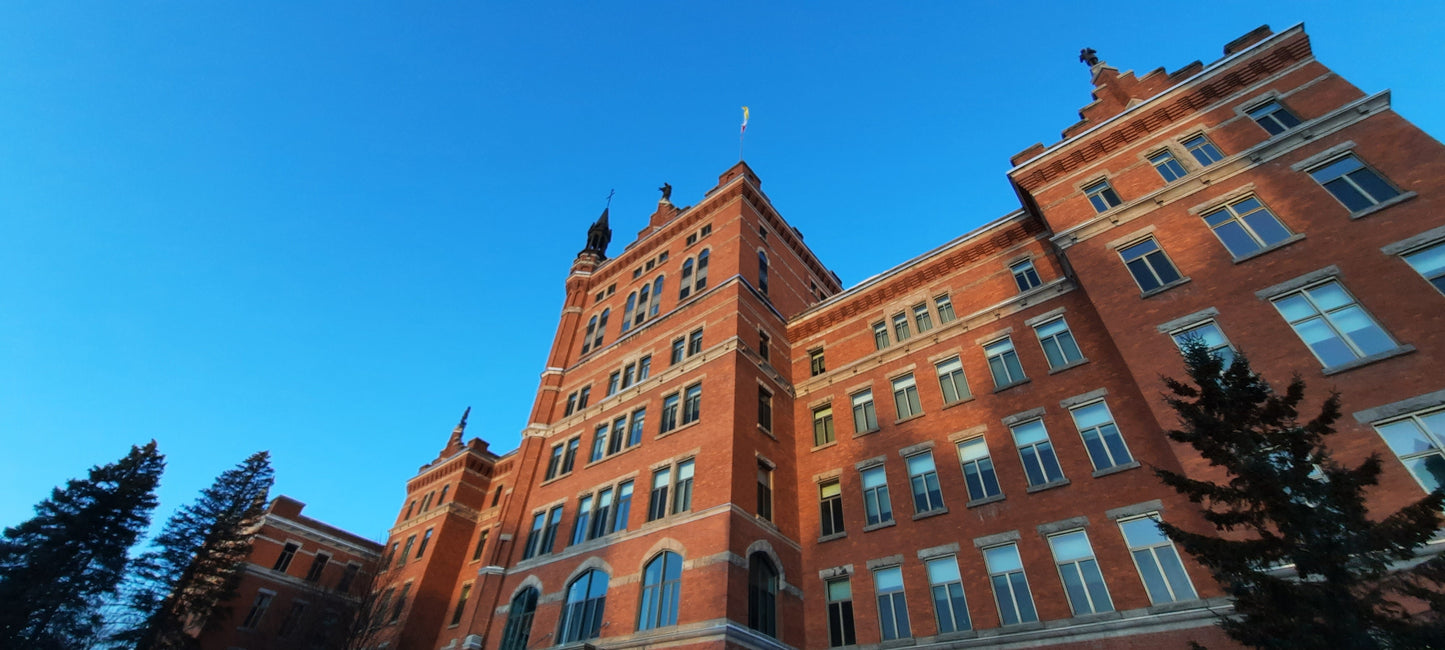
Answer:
(1088, 57)
(666, 190)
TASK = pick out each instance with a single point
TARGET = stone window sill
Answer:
(909, 418)
(1133, 464)
(1161, 289)
(1365, 361)
(829, 538)
(860, 434)
(608, 457)
(897, 643)
(984, 501)
(1383, 205)
(767, 432)
(881, 524)
(1000, 389)
(1048, 486)
(930, 513)
(952, 404)
(1068, 366)
(677, 429)
(1178, 605)
(1270, 248)
(830, 443)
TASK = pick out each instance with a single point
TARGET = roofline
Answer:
(1208, 70)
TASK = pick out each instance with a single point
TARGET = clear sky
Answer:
(324, 229)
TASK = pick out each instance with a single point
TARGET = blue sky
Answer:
(324, 229)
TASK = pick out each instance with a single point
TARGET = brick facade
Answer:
(1086, 344)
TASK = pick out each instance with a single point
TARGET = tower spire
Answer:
(455, 442)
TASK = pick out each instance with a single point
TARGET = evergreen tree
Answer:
(1286, 501)
(195, 565)
(57, 567)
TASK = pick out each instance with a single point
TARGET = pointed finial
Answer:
(1089, 57)
(600, 234)
(455, 442)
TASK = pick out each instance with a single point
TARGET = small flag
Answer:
(745, 121)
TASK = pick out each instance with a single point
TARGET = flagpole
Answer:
(742, 132)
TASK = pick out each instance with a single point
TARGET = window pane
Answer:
(1070, 546)
(1405, 437)
(1142, 532)
(1001, 559)
(1029, 433)
(942, 570)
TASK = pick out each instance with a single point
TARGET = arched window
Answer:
(763, 272)
(582, 614)
(661, 581)
(601, 329)
(519, 620)
(686, 289)
(642, 303)
(762, 594)
(656, 298)
(701, 282)
(587, 338)
(627, 313)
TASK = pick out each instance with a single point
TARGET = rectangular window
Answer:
(840, 613)
(400, 605)
(823, 425)
(1204, 151)
(978, 469)
(549, 535)
(765, 491)
(318, 564)
(1010, 586)
(425, 539)
(830, 504)
(287, 553)
(1058, 342)
(571, 405)
(461, 604)
(905, 397)
(694, 342)
(677, 348)
(764, 345)
(554, 462)
(1041, 467)
(817, 365)
(1246, 226)
(583, 522)
(406, 550)
(534, 536)
(892, 607)
(582, 397)
(692, 404)
(1167, 166)
(949, 605)
(1102, 196)
(921, 317)
(923, 478)
(476, 553)
(1101, 436)
(865, 419)
(1211, 336)
(875, 496)
(1274, 117)
(682, 492)
(880, 335)
(348, 575)
(629, 375)
(600, 522)
(258, 609)
(634, 431)
(657, 501)
(765, 409)
(293, 619)
(619, 435)
(1354, 184)
(1149, 265)
(669, 413)
(613, 381)
(1416, 440)
(900, 327)
(1332, 324)
(1430, 263)
(1003, 362)
(599, 443)
(569, 458)
(644, 367)
(1083, 583)
(945, 309)
(1025, 275)
(624, 507)
(952, 381)
(1157, 561)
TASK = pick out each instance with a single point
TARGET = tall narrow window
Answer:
(1157, 561)
(949, 605)
(287, 553)
(629, 375)
(765, 409)
(1429, 263)
(1204, 151)
(677, 351)
(258, 609)
(875, 496)
(905, 397)
(765, 491)
(1010, 586)
(830, 500)
(601, 328)
(518, 630)
(1354, 184)
(644, 367)
(1083, 583)
(624, 507)
(923, 478)
(643, 298)
(840, 613)
(569, 458)
(682, 493)
(892, 606)
(817, 365)
(1167, 166)
(900, 327)
(627, 311)
(762, 594)
(1058, 342)
(587, 336)
(921, 318)
(692, 404)
(425, 539)
(348, 575)
(880, 335)
(554, 463)
(978, 469)
(1025, 275)
(400, 605)
(461, 604)
(571, 405)
(1041, 466)
(583, 522)
(582, 396)
(1210, 335)
(669, 413)
(600, 521)
(406, 550)
(945, 308)
(614, 381)
(582, 613)
(1332, 324)
(823, 425)
(1273, 117)
(599, 443)
(1102, 196)
(293, 619)
(701, 282)
(634, 431)
(952, 381)
(619, 435)
(476, 553)
(1003, 362)
(656, 304)
(764, 345)
(661, 589)
(865, 418)
(657, 501)
(1416, 440)
(1246, 226)
(1149, 265)
(1101, 437)
(685, 289)
(694, 342)
(762, 273)
(534, 537)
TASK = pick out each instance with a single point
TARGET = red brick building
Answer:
(730, 449)
(298, 585)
